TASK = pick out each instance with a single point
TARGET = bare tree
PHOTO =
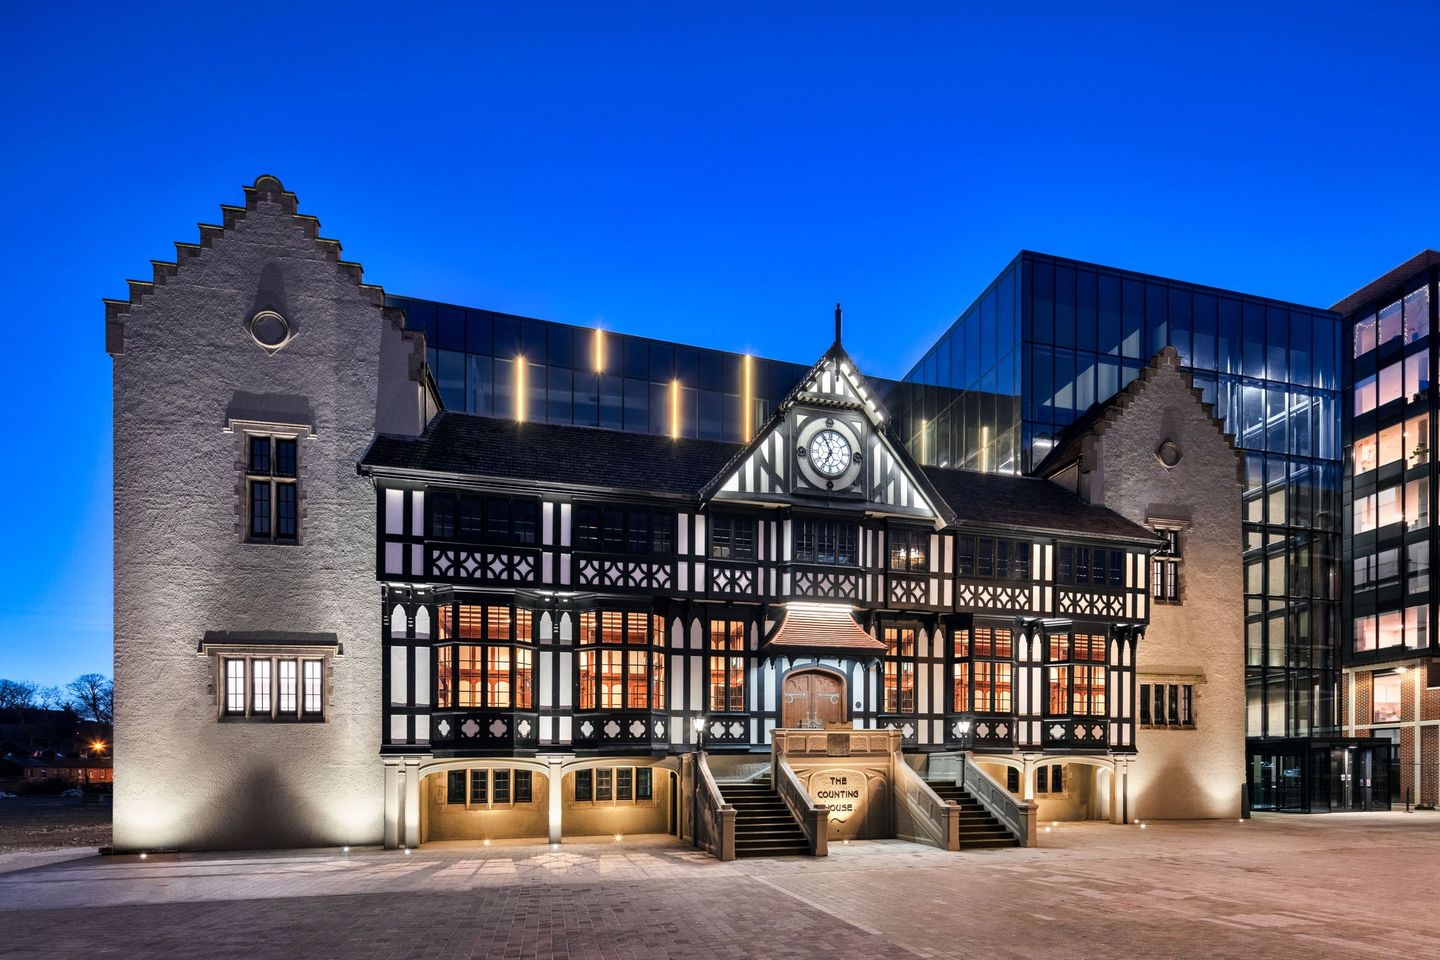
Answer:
(51, 698)
(93, 696)
(16, 693)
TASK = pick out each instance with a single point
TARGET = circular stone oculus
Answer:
(270, 329)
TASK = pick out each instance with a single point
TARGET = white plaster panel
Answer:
(395, 512)
(422, 676)
(399, 675)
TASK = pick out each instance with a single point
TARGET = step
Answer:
(770, 836)
(774, 850)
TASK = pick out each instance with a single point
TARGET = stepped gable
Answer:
(266, 189)
(1097, 420)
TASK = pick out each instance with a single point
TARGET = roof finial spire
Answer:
(837, 322)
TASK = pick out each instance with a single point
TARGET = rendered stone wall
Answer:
(183, 779)
(440, 820)
(601, 818)
(1184, 773)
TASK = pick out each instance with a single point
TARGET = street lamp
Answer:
(698, 724)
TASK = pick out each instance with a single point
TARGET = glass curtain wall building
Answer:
(497, 364)
(1051, 337)
(1389, 483)
(1391, 673)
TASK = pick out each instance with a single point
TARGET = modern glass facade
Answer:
(1052, 337)
(961, 405)
(502, 365)
(1390, 417)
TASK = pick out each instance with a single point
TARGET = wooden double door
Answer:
(812, 699)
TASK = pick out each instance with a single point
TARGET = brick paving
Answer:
(1338, 886)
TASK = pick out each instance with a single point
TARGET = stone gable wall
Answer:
(185, 366)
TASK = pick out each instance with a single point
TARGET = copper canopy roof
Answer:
(822, 626)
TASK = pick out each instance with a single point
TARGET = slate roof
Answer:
(467, 445)
(476, 446)
(816, 626)
(1030, 502)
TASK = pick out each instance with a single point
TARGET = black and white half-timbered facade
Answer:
(347, 615)
(598, 599)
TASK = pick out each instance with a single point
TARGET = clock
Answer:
(829, 453)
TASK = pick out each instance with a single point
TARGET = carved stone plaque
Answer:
(843, 791)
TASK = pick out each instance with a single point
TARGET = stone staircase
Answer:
(978, 828)
(763, 825)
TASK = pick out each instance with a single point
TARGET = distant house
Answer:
(81, 771)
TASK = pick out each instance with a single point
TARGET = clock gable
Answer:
(827, 445)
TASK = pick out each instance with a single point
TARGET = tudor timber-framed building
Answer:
(568, 615)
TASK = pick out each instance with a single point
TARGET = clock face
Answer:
(830, 453)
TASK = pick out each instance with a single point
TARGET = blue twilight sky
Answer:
(717, 174)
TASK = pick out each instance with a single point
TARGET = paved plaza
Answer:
(1357, 885)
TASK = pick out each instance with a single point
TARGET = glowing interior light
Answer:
(746, 403)
(674, 409)
(923, 426)
(984, 449)
(599, 350)
(520, 389)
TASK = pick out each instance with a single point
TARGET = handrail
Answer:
(920, 815)
(714, 827)
(814, 818)
(1015, 815)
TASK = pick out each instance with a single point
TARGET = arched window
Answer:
(621, 660)
(422, 623)
(398, 622)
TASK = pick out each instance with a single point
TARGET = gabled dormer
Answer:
(828, 445)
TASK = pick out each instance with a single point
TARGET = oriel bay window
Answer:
(493, 663)
(899, 690)
(1076, 675)
(621, 660)
(624, 529)
(983, 670)
(726, 666)
(272, 496)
